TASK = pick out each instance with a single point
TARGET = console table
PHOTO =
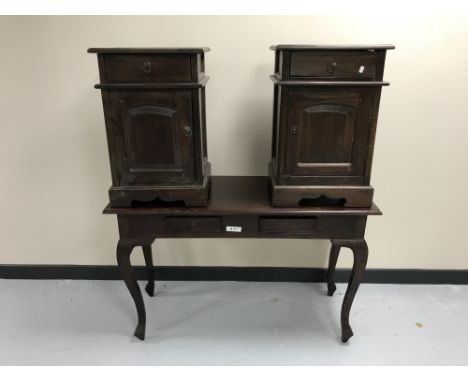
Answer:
(239, 206)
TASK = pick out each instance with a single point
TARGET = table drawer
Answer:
(193, 224)
(336, 65)
(292, 224)
(126, 68)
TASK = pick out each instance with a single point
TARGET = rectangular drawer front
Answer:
(127, 68)
(335, 65)
(193, 224)
(293, 224)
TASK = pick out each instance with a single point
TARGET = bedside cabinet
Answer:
(154, 109)
(326, 102)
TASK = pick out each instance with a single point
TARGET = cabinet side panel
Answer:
(372, 132)
(198, 138)
(111, 131)
(282, 118)
(203, 111)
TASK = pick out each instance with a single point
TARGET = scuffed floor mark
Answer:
(419, 324)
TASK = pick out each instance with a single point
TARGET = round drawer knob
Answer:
(147, 67)
(293, 129)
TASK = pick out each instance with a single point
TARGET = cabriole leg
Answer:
(124, 250)
(360, 253)
(334, 252)
(149, 268)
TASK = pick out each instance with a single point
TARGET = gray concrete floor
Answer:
(230, 323)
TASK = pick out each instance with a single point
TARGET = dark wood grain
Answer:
(319, 83)
(154, 86)
(241, 195)
(326, 103)
(148, 254)
(168, 50)
(331, 47)
(360, 254)
(332, 260)
(124, 250)
(154, 102)
(333, 64)
(239, 207)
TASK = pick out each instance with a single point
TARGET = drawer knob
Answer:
(147, 67)
(332, 67)
(293, 129)
(187, 131)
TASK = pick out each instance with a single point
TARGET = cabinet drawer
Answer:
(124, 68)
(195, 224)
(339, 65)
(292, 224)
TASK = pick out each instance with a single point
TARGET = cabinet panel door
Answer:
(327, 131)
(154, 140)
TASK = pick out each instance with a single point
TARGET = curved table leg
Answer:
(124, 250)
(360, 253)
(334, 252)
(149, 269)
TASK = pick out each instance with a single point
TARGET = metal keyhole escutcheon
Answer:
(147, 67)
(187, 131)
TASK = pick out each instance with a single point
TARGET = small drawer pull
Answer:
(147, 67)
(332, 67)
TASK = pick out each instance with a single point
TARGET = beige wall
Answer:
(54, 166)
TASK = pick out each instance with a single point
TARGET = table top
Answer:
(331, 47)
(240, 195)
(149, 50)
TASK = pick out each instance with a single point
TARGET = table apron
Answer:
(241, 226)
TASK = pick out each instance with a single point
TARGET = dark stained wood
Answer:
(360, 254)
(332, 260)
(319, 83)
(148, 50)
(148, 255)
(186, 194)
(154, 86)
(148, 68)
(124, 250)
(153, 148)
(331, 47)
(154, 104)
(294, 194)
(241, 195)
(239, 207)
(333, 64)
(326, 103)
(327, 133)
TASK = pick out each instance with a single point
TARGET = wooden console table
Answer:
(239, 206)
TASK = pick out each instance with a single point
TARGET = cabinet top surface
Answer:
(241, 195)
(331, 47)
(148, 50)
